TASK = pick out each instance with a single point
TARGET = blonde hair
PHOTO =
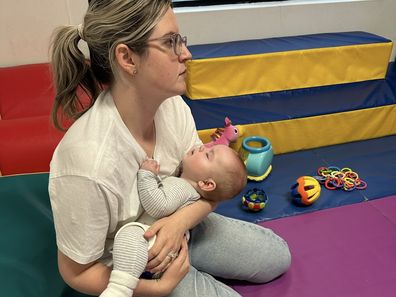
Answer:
(106, 24)
(230, 181)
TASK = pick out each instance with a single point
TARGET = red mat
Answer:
(348, 251)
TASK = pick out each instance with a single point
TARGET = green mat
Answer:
(28, 261)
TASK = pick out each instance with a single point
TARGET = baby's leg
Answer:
(130, 255)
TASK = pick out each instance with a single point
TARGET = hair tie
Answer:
(80, 31)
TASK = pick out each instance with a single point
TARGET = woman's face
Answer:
(162, 70)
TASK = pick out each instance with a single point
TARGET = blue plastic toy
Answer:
(257, 154)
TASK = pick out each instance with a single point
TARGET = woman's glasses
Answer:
(175, 40)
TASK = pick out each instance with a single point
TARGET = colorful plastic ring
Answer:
(362, 185)
(352, 175)
(333, 183)
(337, 174)
(254, 199)
(321, 170)
(321, 179)
(333, 168)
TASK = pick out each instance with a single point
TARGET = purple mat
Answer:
(348, 251)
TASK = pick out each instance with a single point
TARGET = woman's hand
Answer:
(177, 269)
(164, 286)
(170, 234)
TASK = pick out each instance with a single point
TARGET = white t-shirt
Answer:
(93, 174)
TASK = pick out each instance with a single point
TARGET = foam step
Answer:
(285, 63)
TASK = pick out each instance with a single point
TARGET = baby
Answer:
(216, 174)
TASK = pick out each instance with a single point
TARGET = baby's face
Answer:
(201, 163)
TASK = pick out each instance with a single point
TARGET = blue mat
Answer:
(374, 160)
(292, 104)
(283, 44)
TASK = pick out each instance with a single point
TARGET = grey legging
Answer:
(231, 249)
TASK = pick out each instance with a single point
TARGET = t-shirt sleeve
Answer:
(81, 216)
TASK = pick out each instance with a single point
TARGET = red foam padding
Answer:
(25, 91)
(27, 145)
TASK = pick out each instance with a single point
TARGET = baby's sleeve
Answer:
(162, 198)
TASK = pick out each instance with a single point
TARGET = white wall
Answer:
(26, 25)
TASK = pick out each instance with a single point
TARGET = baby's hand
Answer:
(151, 165)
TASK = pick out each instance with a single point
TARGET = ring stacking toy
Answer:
(257, 154)
(334, 178)
(306, 191)
(254, 199)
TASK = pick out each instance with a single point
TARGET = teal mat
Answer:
(28, 260)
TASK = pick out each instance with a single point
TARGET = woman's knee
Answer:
(277, 257)
(241, 250)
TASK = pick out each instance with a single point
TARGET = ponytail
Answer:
(106, 24)
(71, 73)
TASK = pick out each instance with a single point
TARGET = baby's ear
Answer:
(207, 185)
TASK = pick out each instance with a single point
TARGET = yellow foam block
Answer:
(317, 131)
(257, 73)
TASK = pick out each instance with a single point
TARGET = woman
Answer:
(137, 53)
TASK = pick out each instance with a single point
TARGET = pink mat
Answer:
(348, 251)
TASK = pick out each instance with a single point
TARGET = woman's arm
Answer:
(93, 278)
(89, 278)
(170, 231)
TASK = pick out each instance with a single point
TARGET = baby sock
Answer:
(121, 284)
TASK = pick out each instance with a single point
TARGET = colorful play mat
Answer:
(322, 100)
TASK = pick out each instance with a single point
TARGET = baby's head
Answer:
(218, 173)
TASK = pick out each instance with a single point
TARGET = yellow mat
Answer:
(257, 73)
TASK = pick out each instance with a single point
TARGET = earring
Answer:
(134, 72)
